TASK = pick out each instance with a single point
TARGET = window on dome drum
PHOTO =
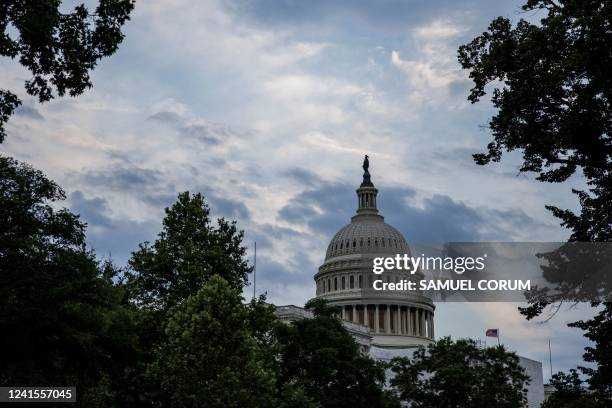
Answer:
(352, 282)
(360, 281)
(329, 285)
(354, 243)
(343, 283)
(335, 283)
(361, 242)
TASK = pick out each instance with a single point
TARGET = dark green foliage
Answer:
(209, 357)
(553, 100)
(64, 320)
(188, 251)
(569, 392)
(576, 272)
(8, 103)
(59, 49)
(219, 352)
(599, 331)
(460, 374)
(321, 357)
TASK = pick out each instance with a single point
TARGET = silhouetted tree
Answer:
(599, 331)
(219, 352)
(569, 392)
(460, 374)
(188, 252)
(553, 100)
(320, 356)
(64, 318)
(58, 48)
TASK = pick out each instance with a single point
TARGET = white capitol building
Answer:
(384, 323)
(395, 319)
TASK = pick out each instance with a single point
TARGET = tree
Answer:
(187, 253)
(460, 374)
(596, 391)
(322, 358)
(553, 100)
(569, 392)
(59, 49)
(63, 317)
(218, 352)
(599, 331)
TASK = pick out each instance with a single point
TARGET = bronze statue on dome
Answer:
(366, 173)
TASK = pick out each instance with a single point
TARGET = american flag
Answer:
(492, 333)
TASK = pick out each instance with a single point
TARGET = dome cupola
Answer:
(345, 279)
(367, 233)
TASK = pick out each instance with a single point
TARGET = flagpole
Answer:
(550, 358)
(498, 336)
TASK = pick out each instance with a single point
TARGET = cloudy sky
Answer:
(267, 107)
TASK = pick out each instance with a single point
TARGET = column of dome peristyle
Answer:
(397, 318)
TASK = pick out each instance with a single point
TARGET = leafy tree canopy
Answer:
(188, 251)
(58, 48)
(218, 352)
(321, 357)
(599, 331)
(569, 392)
(460, 374)
(63, 318)
(553, 96)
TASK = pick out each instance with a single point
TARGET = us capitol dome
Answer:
(394, 319)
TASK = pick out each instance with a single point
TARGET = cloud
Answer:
(384, 16)
(122, 178)
(107, 235)
(190, 127)
(439, 218)
(29, 112)
(230, 209)
(303, 176)
(203, 133)
(433, 71)
(166, 117)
